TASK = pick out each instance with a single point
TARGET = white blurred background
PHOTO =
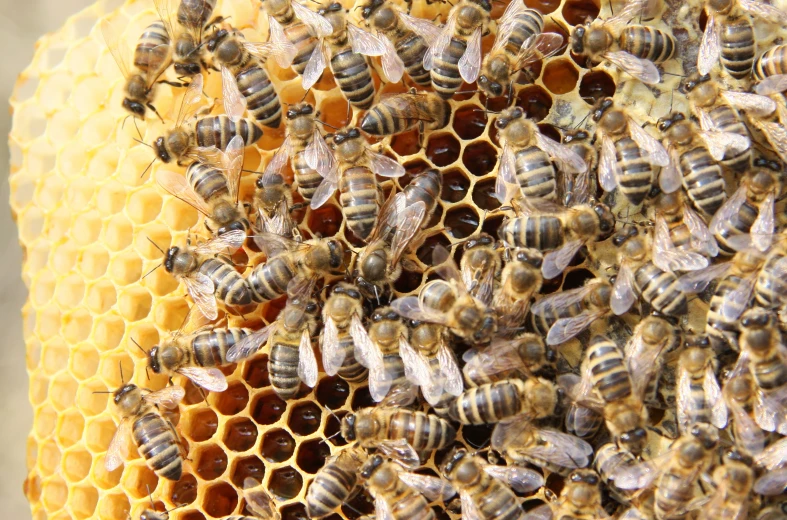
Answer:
(21, 24)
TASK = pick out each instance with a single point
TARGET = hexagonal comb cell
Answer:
(220, 500)
(247, 467)
(267, 408)
(240, 435)
(332, 392)
(311, 455)
(232, 401)
(479, 158)
(211, 462)
(304, 419)
(442, 149)
(595, 85)
(277, 445)
(285, 482)
(184, 491)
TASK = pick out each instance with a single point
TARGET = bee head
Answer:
(216, 39)
(707, 434)
(136, 108)
(335, 255)
(606, 220)
(584, 476)
(578, 39)
(756, 318)
(169, 259)
(371, 465)
(153, 360)
(624, 235)
(692, 82)
(507, 116)
(490, 87)
(370, 8)
(160, 149)
(735, 455)
(529, 256)
(348, 427)
(575, 135)
(602, 106)
(187, 69)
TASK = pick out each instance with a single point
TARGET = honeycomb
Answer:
(88, 223)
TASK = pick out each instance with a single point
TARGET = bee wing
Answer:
(766, 413)
(407, 226)
(258, 499)
(315, 66)
(441, 41)
(307, 362)
(776, 134)
(762, 229)
(469, 509)
(771, 85)
(542, 512)
(281, 47)
(382, 510)
(384, 166)
(754, 104)
(168, 397)
(201, 290)
(623, 295)
(324, 192)
(728, 210)
(447, 269)
(773, 456)
(608, 170)
(452, 376)
(713, 396)
(657, 153)
(555, 262)
(670, 177)
(710, 47)
(277, 162)
(631, 10)
(521, 480)
(118, 447)
(118, 49)
(379, 382)
(737, 300)
(701, 238)
(763, 10)
(229, 242)
(772, 483)
(747, 432)
(566, 328)
(558, 300)
(364, 42)
(176, 185)
(319, 26)
(273, 245)
(365, 351)
(332, 353)
(643, 70)
(416, 367)
(426, 29)
(191, 100)
(718, 143)
(568, 160)
(232, 164)
(400, 451)
(697, 281)
(410, 307)
(507, 23)
(667, 258)
(319, 155)
(502, 357)
(642, 475)
(234, 102)
(506, 432)
(542, 47)
(393, 66)
(433, 488)
(470, 62)
(562, 449)
(249, 345)
(506, 184)
(211, 379)
(685, 405)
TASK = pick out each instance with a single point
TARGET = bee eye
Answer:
(338, 289)
(354, 294)
(501, 123)
(308, 109)
(292, 114)
(355, 133)
(366, 12)
(311, 307)
(518, 113)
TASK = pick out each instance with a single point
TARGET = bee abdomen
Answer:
(647, 43)
(535, 173)
(383, 120)
(153, 47)
(195, 13)
(608, 368)
(268, 281)
(703, 181)
(210, 348)
(352, 74)
(771, 62)
(360, 200)
(230, 286)
(351, 370)
(157, 443)
(207, 181)
(719, 326)
(487, 404)
(542, 232)
(304, 42)
(771, 288)
(671, 493)
(262, 101)
(738, 47)
(308, 179)
(424, 187)
(728, 120)
(739, 224)
(771, 373)
(330, 488)
(283, 370)
(422, 431)
(411, 50)
(446, 79)
(218, 131)
(529, 23)
(661, 290)
(636, 173)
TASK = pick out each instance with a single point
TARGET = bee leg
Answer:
(349, 109)
(421, 131)
(176, 84)
(153, 109)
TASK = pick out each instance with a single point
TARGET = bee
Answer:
(455, 54)
(342, 316)
(480, 266)
(334, 483)
(186, 28)
(486, 490)
(580, 499)
(729, 35)
(273, 198)
(292, 358)
(653, 336)
(406, 39)
(518, 358)
(526, 162)
(698, 395)
(632, 48)
(291, 262)
(520, 280)
(261, 504)
(491, 403)
(774, 479)
(354, 175)
(741, 396)
(629, 155)
(673, 475)
(397, 113)
(681, 239)
(520, 41)
(425, 187)
(771, 287)
(202, 138)
(348, 46)
(770, 63)
(610, 459)
(432, 363)
(773, 512)
(574, 190)
(152, 56)
(213, 191)
(566, 314)
(558, 231)
(447, 302)
(154, 435)
(208, 277)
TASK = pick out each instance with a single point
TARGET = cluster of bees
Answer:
(480, 341)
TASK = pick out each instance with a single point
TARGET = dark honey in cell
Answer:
(212, 463)
(424, 252)
(220, 500)
(203, 425)
(250, 467)
(233, 400)
(595, 85)
(408, 281)
(277, 446)
(406, 143)
(577, 12)
(470, 122)
(257, 372)
(480, 158)
(535, 101)
(240, 435)
(461, 222)
(332, 392)
(484, 195)
(442, 149)
(184, 491)
(305, 419)
(455, 186)
(285, 483)
(544, 6)
(311, 455)
(325, 221)
(268, 409)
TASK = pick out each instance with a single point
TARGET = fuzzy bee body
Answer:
(661, 290)
(702, 179)
(636, 172)
(219, 130)
(647, 43)
(360, 198)
(230, 285)
(771, 62)
(158, 444)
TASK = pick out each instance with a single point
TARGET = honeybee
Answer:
(674, 474)
(292, 358)
(520, 280)
(526, 162)
(334, 483)
(455, 54)
(632, 48)
(447, 302)
(567, 313)
(354, 175)
(343, 328)
(559, 231)
(773, 512)
(480, 266)
(490, 403)
(152, 56)
(273, 198)
(203, 138)
(644, 351)
(154, 435)
(521, 358)
(397, 113)
(740, 394)
(629, 155)
(580, 499)
(291, 262)
(212, 191)
(774, 480)
(208, 277)
(734, 480)
(406, 39)
(292, 23)
(425, 187)
(518, 43)
(681, 239)
(485, 490)
(186, 28)
(577, 189)
(610, 459)
(432, 363)
(771, 287)
(698, 395)
(348, 46)
(770, 63)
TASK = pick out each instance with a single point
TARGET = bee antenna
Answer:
(139, 140)
(305, 94)
(156, 246)
(147, 167)
(331, 412)
(673, 74)
(120, 366)
(467, 91)
(139, 346)
(327, 124)
(102, 392)
(331, 437)
(583, 120)
(151, 271)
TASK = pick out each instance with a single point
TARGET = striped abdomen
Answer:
(488, 404)
(771, 288)
(299, 35)
(542, 232)
(194, 14)
(394, 369)
(737, 47)
(383, 119)
(718, 326)
(353, 75)
(283, 368)
(330, 488)
(209, 182)
(424, 187)
(360, 200)
(699, 410)
(611, 459)
(703, 181)
(493, 499)
(771, 62)
(421, 430)
(218, 131)
(739, 224)
(727, 119)
(230, 286)
(770, 371)
(210, 348)
(535, 173)
(262, 101)
(152, 50)
(407, 503)
(608, 370)
(661, 290)
(647, 43)
(438, 295)
(268, 281)
(636, 173)
(673, 492)
(350, 370)
(446, 79)
(411, 49)
(158, 444)
(542, 323)
(308, 180)
(528, 23)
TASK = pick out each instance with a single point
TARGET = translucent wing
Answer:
(118, 49)
(710, 47)
(559, 300)
(544, 45)
(382, 509)
(507, 23)
(406, 105)
(441, 42)
(506, 185)
(763, 10)
(307, 362)
(701, 238)
(555, 262)
(332, 353)
(201, 289)
(232, 163)
(433, 488)
(249, 345)
(772, 85)
(315, 66)
(393, 66)
(667, 258)
(728, 210)
(562, 449)
(452, 376)
(508, 431)
(423, 28)
(521, 480)
(168, 397)
(400, 451)
(408, 224)
(259, 501)
(631, 10)
(319, 155)
(713, 396)
(686, 406)
(747, 432)
(777, 135)
(365, 351)
(226, 243)
(118, 447)
(697, 281)
(319, 26)
(643, 70)
(773, 456)
(639, 476)
(324, 192)
(470, 62)
(762, 229)
(234, 102)
(191, 100)
(211, 379)
(384, 166)
(283, 50)
(176, 185)
(737, 300)
(568, 160)
(469, 509)
(772, 483)
(623, 295)
(277, 162)
(416, 367)
(657, 154)
(566, 328)
(670, 177)
(719, 143)
(754, 104)
(364, 42)
(608, 170)
(379, 383)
